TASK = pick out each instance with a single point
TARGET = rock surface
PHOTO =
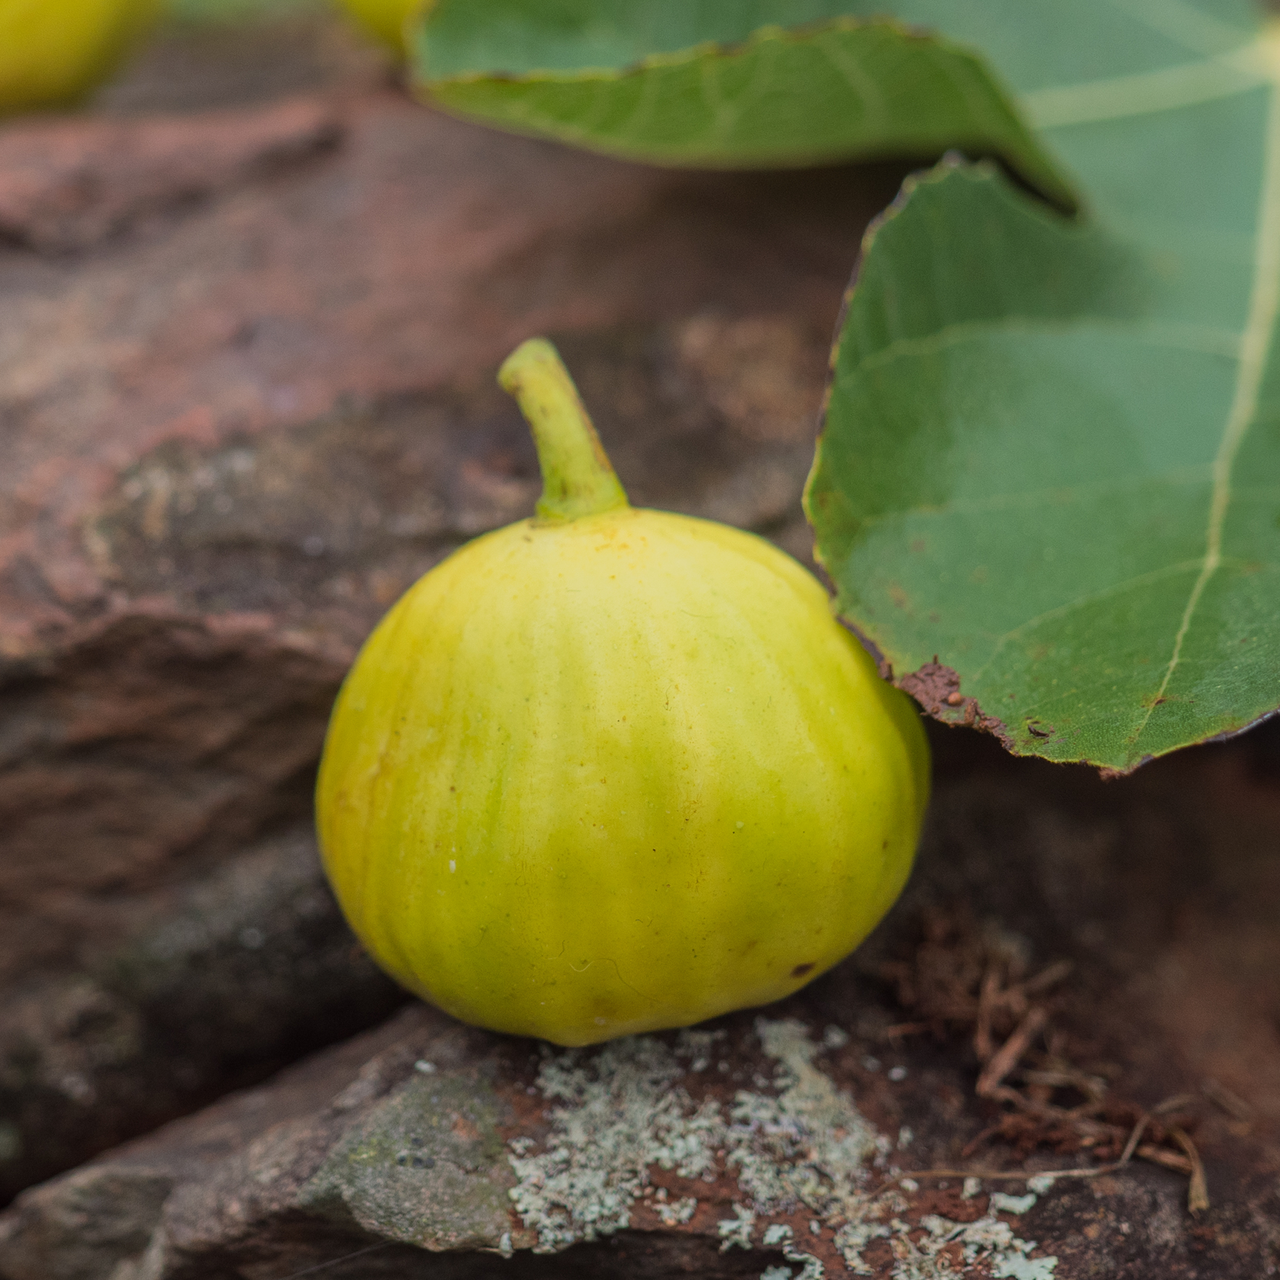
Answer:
(773, 1143)
(221, 979)
(250, 313)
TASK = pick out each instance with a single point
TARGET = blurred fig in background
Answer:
(53, 52)
(384, 19)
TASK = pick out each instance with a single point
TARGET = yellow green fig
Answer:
(54, 51)
(611, 770)
(384, 19)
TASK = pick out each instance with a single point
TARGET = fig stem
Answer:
(577, 477)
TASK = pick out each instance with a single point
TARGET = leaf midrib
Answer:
(1143, 93)
(1065, 494)
(1202, 339)
(1255, 347)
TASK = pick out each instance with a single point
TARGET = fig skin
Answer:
(384, 19)
(52, 52)
(615, 772)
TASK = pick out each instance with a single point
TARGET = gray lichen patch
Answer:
(623, 1110)
(808, 1144)
(936, 1248)
(988, 1241)
(804, 1146)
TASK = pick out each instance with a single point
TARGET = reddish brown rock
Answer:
(208, 983)
(71, 183)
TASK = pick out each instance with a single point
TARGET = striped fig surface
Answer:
(610, 770)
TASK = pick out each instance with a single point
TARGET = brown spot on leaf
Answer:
(801, 969)
(936, 687)
(931, 686)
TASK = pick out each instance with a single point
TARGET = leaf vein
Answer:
(1206, 340)
(1062, 610)
(862, 86)
(1056, 495)
(1259, 334)
(1146, 92)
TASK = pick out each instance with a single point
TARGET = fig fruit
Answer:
(54, 51)
(611, 770)
(384, 19)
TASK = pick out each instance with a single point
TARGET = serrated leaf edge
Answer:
(1040, 167)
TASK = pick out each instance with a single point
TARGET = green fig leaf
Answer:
(1048, 488)
(721, 85)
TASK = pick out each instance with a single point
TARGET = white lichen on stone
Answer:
(776, 1273)
(986, 1234)
(853, 1237)
(677, 1212)
(1002, 1203)
(987, 1240)
(811, 1268)
(736, 1230)
(808, 1145)
(624, 1108)
(1017, 1267)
